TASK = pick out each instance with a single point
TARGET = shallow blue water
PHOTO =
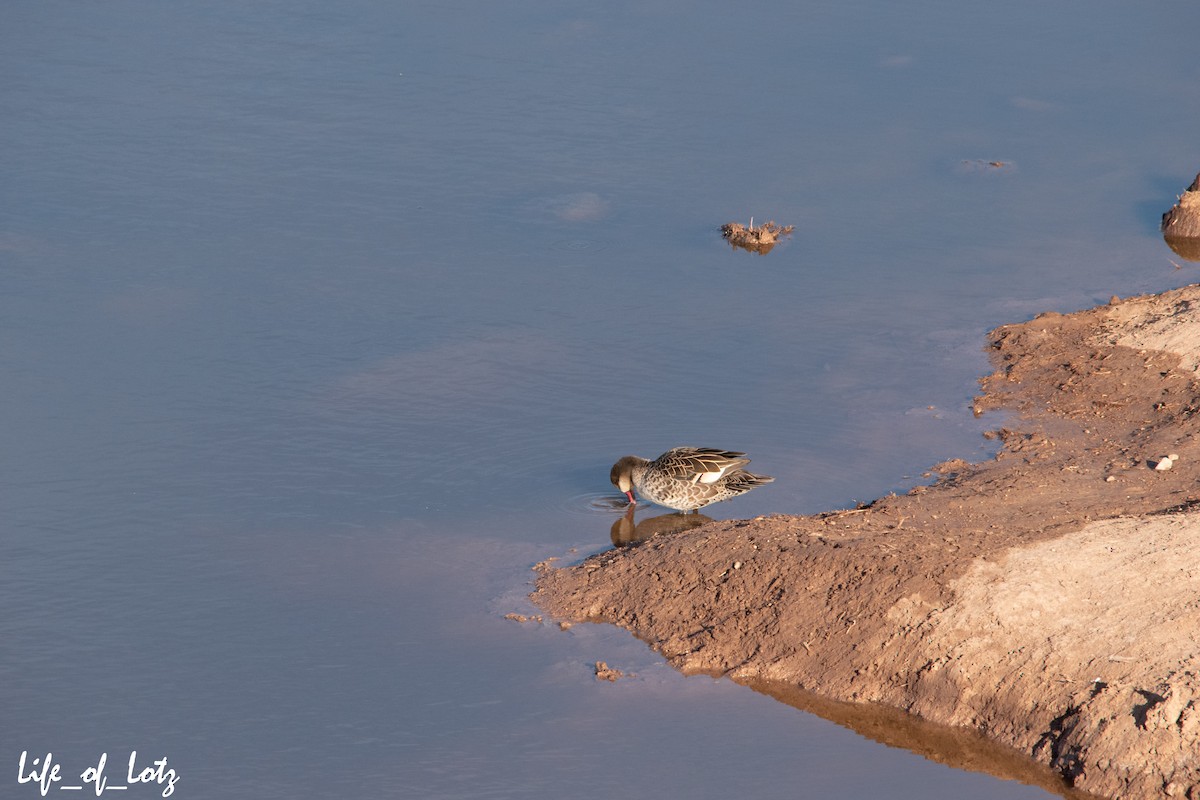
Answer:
(321, 323)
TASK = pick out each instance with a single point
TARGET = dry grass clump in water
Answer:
(758, 239)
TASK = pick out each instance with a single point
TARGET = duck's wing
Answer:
(699, 464)
(745, 481)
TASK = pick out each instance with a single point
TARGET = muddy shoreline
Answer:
(1048, 600)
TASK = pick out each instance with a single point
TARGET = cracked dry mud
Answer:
(1047, 600)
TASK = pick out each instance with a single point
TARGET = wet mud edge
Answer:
(1048, 600)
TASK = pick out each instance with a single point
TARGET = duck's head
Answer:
(622, 476)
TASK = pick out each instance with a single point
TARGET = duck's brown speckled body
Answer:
(686, 478)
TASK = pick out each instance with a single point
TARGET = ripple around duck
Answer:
(594, 503)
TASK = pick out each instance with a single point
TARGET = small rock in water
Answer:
(606, 673)
(755, 238)
(1183, 219)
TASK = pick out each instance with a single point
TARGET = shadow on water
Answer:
(953, 747)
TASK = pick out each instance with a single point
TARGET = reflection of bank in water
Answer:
(625, 531)
(955, 747)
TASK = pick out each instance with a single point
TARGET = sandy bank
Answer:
(1049, 599)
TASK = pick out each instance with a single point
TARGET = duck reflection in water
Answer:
(626, 531)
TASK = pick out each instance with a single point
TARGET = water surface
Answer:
(321, 324)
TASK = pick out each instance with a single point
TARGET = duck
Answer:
(686, 478)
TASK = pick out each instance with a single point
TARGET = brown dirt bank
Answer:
(1049, 599)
